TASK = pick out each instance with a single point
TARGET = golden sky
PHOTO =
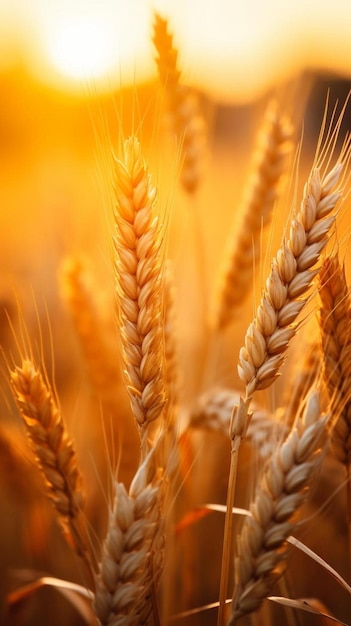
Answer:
(231, 48)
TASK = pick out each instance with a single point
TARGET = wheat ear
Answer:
(306, 371)
(139, 286)
(93, 327)
(262, 545)
(292, 273)
(54, 450)
(183, 106)
(213, 412)
(268, 336)
(129, 573)
(171, 345)
(169, 436)
(335, 324)
(244, 250)
(94, 321)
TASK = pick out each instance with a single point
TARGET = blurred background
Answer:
(231, 50)
(76, 75)
(64, 65)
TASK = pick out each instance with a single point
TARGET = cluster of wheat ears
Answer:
(128, 578)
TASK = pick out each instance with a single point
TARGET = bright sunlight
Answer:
(67, 43)
(82, 49)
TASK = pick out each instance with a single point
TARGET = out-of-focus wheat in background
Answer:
(76, 77)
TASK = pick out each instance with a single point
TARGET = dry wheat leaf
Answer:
(305, 604)
(203, 511)
(301, 546)
(75, 594)
(200, 512)
(200, 609)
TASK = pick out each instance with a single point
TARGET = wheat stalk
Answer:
(183, 105)
(268, 336)
(131, 562)
(262, 545)
(54, 451)
(244, 250)
(139, 286)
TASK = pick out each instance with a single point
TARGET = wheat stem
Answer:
(268, 336)
(228, 527)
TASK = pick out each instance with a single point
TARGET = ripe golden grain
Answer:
(292, 273)
(139, 286)
(284, 486)
(54, 451)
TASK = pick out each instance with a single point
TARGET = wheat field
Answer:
(176, 346)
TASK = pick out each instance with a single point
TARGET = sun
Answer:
(107, 44)
(82, 49)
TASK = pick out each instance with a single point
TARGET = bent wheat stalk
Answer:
(262, 544)
(139, 287)
(55, 452)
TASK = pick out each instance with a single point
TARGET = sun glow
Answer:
(82, 49)
(100, 43)
(68, 43)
